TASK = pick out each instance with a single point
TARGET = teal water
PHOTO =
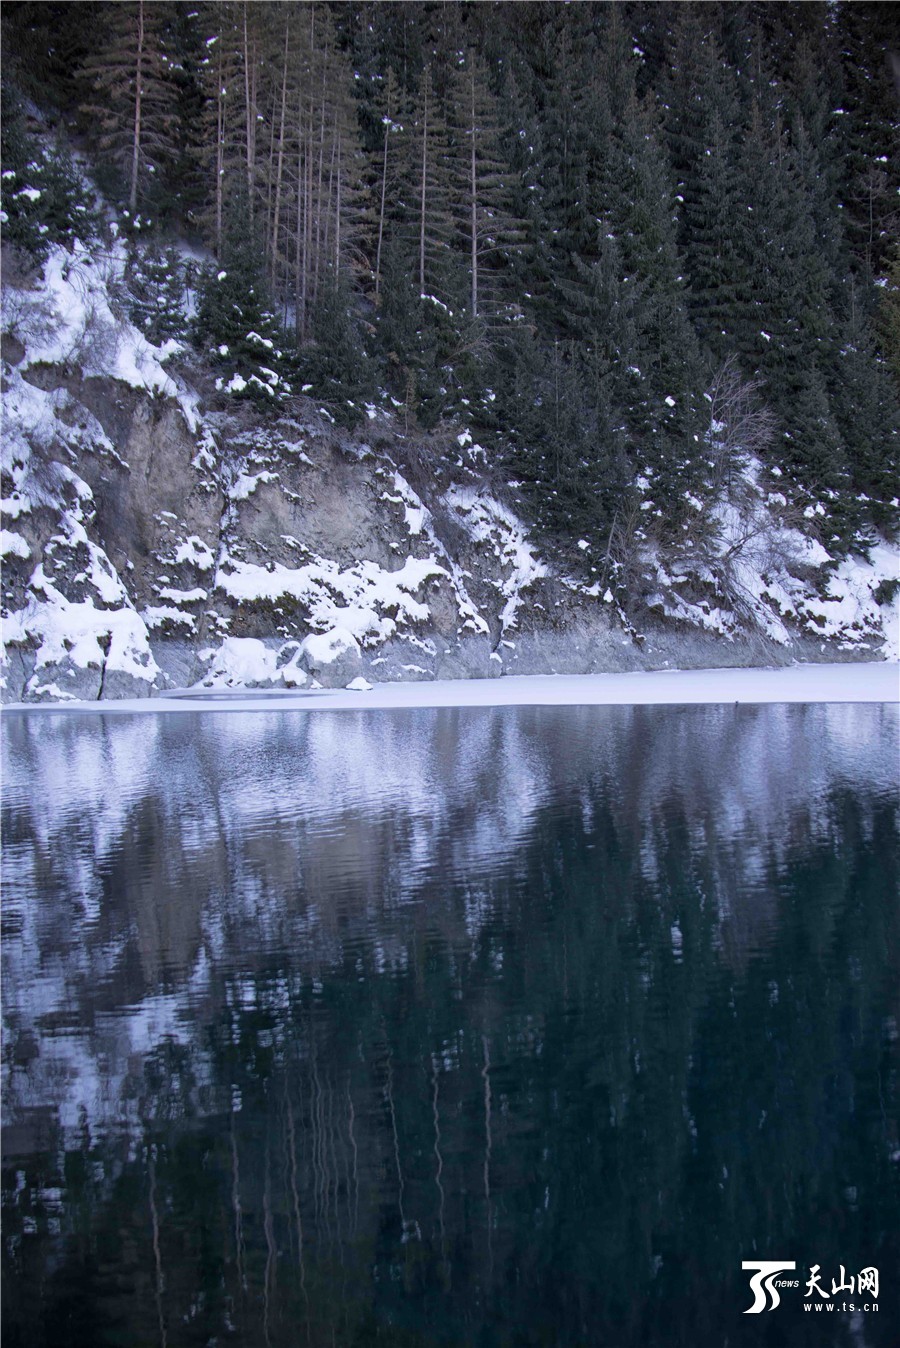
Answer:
(449, 1027)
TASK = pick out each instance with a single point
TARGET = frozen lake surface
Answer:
(876, 681)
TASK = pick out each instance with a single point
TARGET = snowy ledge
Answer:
(878, 681)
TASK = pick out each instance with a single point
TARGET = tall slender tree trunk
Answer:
(308, 223)
(279, 165)
(321, 219)
(138, 95)
(300, 236)
(423, 195)
(337, 212)
(220, 148)
(474, 192)
(384, 164)
(249, 111)
(326, 208)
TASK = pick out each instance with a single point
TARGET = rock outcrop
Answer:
(154, 538)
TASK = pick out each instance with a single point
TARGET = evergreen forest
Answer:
(623, 246)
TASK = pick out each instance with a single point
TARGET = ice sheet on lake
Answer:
(877, 681)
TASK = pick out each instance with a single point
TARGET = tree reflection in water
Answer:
(500, 1026)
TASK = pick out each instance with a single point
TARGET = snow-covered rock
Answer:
(151, 538)
(332, 658)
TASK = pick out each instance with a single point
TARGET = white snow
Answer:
(864, 682)
(416, 514)
(94, 629)
(756, 569)
(420, 523)
(13, 545)
(849, 607)
(491, 524)
(365, 600)
(69, 320)
(195, 551)
(245, 484)
(326, 647)
(159, 614)
(194, 596)
(247, 662)
(75, 630)
(241, 662)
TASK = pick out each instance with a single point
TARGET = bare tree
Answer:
(741, 426)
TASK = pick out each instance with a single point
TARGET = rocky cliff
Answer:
(160, 533)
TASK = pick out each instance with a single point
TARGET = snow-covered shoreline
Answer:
(875, 681)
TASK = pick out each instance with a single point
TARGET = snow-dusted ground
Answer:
(878, 681)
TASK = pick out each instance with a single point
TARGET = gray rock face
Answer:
(302, 544)
(157, 496)
(63, 681)
(332, 505)
(18, 669)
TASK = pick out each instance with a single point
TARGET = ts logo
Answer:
(764, 1278)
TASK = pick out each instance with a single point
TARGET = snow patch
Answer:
(245, 484)
(327, 647)
(195, 551)
(68, 320)
(13, 545)
(83, 634)
(491, 524)
(368, 602)
(244, 662)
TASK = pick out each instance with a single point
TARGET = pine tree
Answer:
(580, 422)
(790, 291)
(703, 122)
(889, 315)
(866, 411)
(568, 442)
(182, 197)
(666, 347)
(562, 224)
(234, 324)
(220, 77)
(715, 216)
(131, 96)
(325, 221)
(868, 37)
(429, 178)
(386, 176)
(44, 198)
(156, 280)
(335, 362)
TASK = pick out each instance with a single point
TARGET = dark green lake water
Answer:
(450, 1027)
